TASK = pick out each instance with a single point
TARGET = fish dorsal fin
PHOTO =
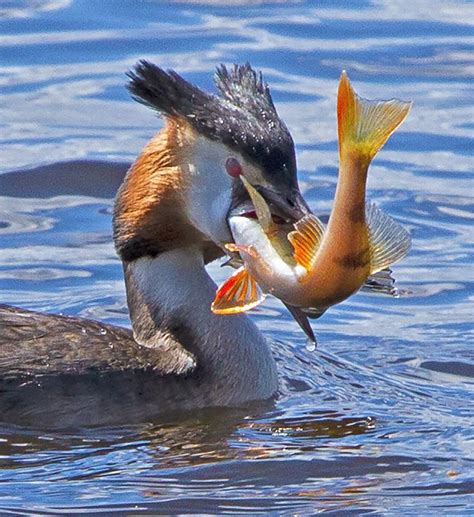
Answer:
(306, 239)
(389, 241)
(237, 294)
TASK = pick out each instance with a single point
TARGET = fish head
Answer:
(253, 224)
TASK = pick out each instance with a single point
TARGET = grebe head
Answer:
(210, 141)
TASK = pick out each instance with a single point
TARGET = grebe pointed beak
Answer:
(290, 205)
(302, 319)
(284, 201)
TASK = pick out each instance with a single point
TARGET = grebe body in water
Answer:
(170, 219)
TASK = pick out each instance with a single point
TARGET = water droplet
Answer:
(310, 345)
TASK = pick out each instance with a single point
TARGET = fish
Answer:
(311, 266)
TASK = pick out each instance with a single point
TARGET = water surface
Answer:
(379, 418)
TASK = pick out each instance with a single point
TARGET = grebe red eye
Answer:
(233, 167)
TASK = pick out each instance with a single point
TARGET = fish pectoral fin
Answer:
(364, 126)
(237, 294)
(306, 239)
(389, 240)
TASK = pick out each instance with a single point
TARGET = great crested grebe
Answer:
(170, 219)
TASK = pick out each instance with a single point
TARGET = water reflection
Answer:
(64, 133)
(380, 416)
(190, 439)
(15, 223)
(29, 8)
(210, 452)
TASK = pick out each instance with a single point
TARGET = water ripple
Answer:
(379, 418)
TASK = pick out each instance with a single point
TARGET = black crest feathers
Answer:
(242, 116)
(241, 86)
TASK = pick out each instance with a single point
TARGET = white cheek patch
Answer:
(210, 190)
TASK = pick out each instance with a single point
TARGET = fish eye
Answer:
(233, 167)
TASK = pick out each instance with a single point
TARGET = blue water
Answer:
(379, 418)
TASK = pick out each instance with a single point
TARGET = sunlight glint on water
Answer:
(378, 417)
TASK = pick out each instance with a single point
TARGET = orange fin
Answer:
(237, 294)
(306, 240)
(364, 126)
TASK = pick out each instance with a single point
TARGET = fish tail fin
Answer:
(363, 125)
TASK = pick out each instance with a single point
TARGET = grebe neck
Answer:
(169, 298)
